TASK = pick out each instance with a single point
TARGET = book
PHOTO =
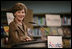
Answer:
(40, 33)
(35, 32)
(47, 31)
(60, 31)
(66, 20)
(6, 29)
(10, 17)
(43, 33)
(67, 32)
(67, 43)
(53, 31)
(61, 21)
(35, 20)
(44, 21)
(53, 20)
(39, 21)
(69, 21)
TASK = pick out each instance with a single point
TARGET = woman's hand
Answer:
(28, 38)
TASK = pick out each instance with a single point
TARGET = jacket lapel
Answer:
(21, 29)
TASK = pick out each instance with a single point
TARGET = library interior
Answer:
(48, 24)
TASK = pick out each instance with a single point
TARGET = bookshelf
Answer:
(64, 30)
(39, 19)
(66, 26)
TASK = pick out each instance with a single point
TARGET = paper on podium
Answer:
(31, 44)
(55, 42)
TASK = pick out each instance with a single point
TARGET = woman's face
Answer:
(19, 15)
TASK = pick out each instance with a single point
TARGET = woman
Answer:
(17, 28)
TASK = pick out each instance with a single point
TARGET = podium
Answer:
(31, 44)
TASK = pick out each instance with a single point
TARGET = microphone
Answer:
(32, 23)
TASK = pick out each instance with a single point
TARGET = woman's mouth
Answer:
(21, 16)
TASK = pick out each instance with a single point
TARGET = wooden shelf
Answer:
(66, 24)
(67, 37)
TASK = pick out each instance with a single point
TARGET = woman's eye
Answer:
(23, 12)
(18, 12)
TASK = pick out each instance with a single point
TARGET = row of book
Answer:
(39, 20)
(66, 20)
(36, 32)
(65, 32)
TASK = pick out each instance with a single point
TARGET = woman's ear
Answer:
(14, 15)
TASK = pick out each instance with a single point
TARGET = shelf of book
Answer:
(40, 19)
(64, 30)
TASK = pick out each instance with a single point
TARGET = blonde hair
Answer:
(19, 6)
